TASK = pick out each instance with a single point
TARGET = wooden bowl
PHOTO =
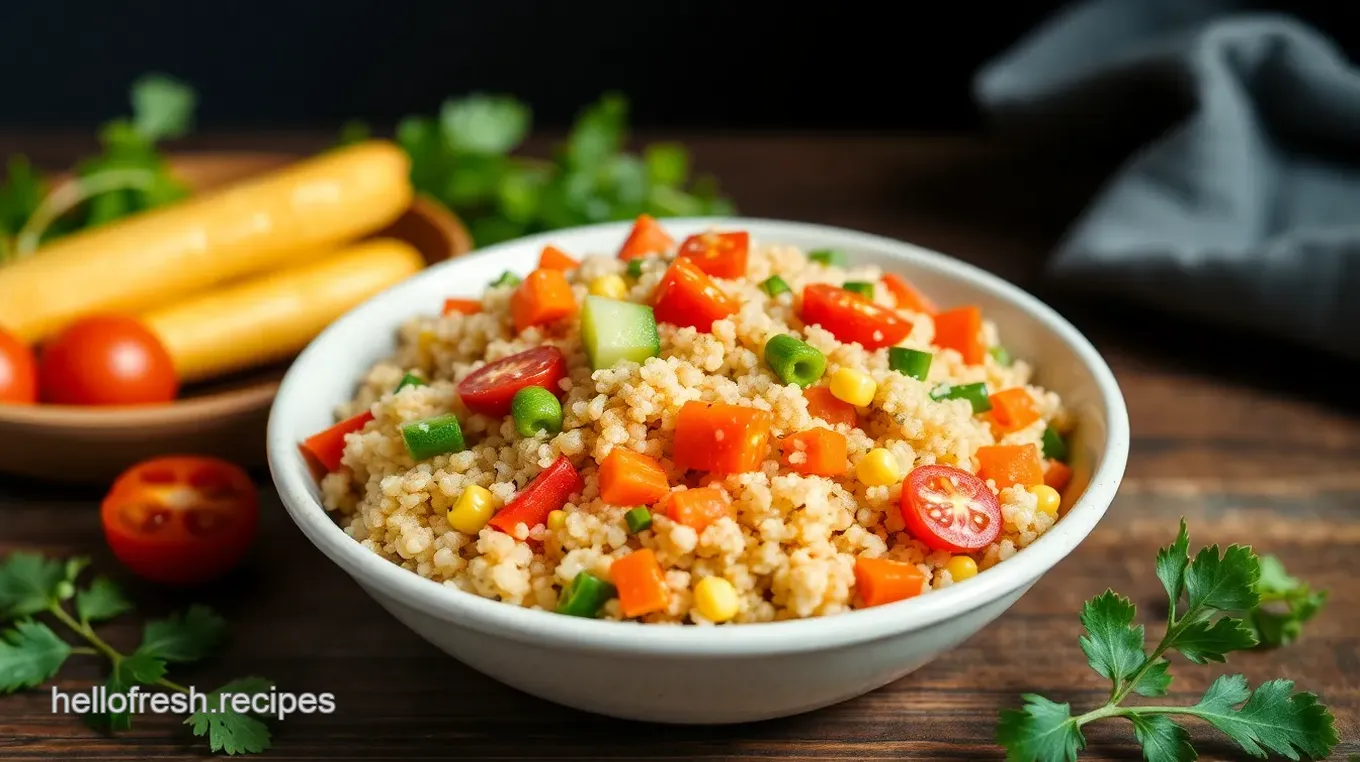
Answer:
(226, 417)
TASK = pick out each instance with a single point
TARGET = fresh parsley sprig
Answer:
(31, 652)
(1203, 592)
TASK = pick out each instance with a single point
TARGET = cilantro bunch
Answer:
(127, 177)
(1205, 594)
(31, 652)
(463, 158)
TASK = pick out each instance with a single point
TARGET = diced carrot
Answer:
(328, 446)
(720, 437)
(699, 507)
(631, 478)
(880, 580)
(1057, 474)
(823, 404)
(554, 258)
(1013, 409)
(961, 330)
(1008, 465)
(640, 583)
(647, 237)
(823, 452)
(462, 306)
(907, 296)
(544, 296)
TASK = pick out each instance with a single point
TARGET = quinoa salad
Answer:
(707, 431)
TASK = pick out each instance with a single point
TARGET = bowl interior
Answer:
(327, 372)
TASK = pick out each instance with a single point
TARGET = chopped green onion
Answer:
(974, 393)
(830, 257)
(507, 279)
(794, 361)
(775, 285)
(910, 362)
(638, 519)
(585, 596)
(861, 287)
(635, 267)
(1055, 447)
(1002, 357)
(433, 436)
(536, 410)
(410, 379)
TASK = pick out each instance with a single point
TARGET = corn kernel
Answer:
(557, 520)
(716, 599)
(609, 286)
(472, 510)
(878, 468)
(853, 386)
(961, 568)
(1047, 497)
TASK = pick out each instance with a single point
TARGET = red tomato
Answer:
(646, 237)
(328, 447)
(722, 255)
(852, 319)
(688, 297)
(489, 389)
(18, 372)
(181, 520)
(548, 491)
(106, 360)
(950, 509)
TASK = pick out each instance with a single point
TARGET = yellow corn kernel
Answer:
(853, 386)
(1047, 497)
(961, 568)
(609, 286)
(557, 520)
(716, 599)
(473, 509)
(878, 468)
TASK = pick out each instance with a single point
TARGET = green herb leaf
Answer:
(1171, 563)
(519, 193)
(1162, 739)
(21, 193)
(1202, 642)
(1043, 731)
(484, 124)
(194, 635)
(233, 732)
(101, 600)
(162, 107)
(1155, 681)
(1272, 719)
(1224, 582)
(667, 164)
(29, 654)
(598, 133)
(1286, 604)
(28, 584)
(431, 161)
(1113, 644)
(143, 668)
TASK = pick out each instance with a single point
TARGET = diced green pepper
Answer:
(433, 436)
(1055, 447)
(774, 286)
(408, 380)
(974, 393)
(585, 596)
(830, 257)
(861, 287)
(794, 361)
(638, 519)
(535, 411)
(613, 331)
(635, 267)
(507, 279)
(910, 362)
(1002, 357)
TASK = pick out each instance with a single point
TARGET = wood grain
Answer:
(1248, 452)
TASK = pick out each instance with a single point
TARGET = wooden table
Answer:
(1248, 449)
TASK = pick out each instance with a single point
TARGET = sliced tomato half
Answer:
(489, 389)
(950, 509)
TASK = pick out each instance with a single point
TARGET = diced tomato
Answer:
(961, 330)
(823, 404)
(721, 438)
(950, 509)
(327, 447)
(722, 255)
(548, 491)
(462, 307)
(907, 295)
(688, 297)
(821, 452)
(553, 258)
(852, 319)
(489, 389)
(647, 237)
(1057, 474)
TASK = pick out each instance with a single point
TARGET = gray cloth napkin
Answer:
(1246, 213)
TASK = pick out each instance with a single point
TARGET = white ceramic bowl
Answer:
(688, 674)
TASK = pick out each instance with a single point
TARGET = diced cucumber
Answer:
(614, 330)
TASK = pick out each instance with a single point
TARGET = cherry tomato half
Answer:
(722, 255)
(950, 509)
(106, 360)
(181, 520)
(18, 372)
(489, 389)
(688, 297)
(852, 319)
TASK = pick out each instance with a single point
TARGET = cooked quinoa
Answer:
(789, 545)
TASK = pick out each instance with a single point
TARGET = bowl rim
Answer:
(378, 575)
